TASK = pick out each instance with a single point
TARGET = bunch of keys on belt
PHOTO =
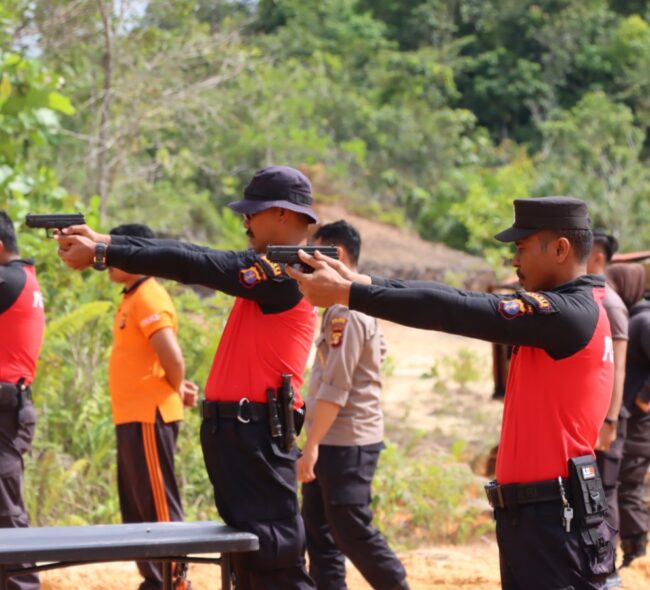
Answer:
(567, 510)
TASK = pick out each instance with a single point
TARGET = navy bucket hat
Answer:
(277, 186)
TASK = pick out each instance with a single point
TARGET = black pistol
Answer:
(286, 399)
(50, 221)
(289, 255)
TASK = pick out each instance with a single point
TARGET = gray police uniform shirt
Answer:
(346, 372)
(617, 313)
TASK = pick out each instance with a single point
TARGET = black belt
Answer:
(503, 496)
(244, 410)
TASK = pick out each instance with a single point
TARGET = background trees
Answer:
(433, 113)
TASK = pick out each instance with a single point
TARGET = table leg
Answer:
(225, 571)
(167, 575)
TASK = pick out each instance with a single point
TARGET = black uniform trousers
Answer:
(254, 485)
(337, 515)
(15, 441)
(609, 466)
(634, 513)
(536, 553)
(146, 481)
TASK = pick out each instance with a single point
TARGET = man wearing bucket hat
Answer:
(268, 334)
(548, 498)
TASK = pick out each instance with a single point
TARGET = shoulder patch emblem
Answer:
(274, 268)
(513, 308)
(249, 277)
(338, 327)
(540, 303)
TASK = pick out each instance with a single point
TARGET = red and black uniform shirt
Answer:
(22, 321)
(562, 370)
(269, 330)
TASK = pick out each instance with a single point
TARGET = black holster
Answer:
(13, 397)
(285, 421)
(286, 399)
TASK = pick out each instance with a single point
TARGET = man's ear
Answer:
(562, 249)
(2, 247)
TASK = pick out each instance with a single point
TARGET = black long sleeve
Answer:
(240, 274)
(560, 321)
(412, 284)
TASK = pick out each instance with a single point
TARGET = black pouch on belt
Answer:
(589, 502)
(590, 505)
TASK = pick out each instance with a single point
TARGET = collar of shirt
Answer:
(134, 286)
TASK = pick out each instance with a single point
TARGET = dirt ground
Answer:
(472, 567)
(453, 413)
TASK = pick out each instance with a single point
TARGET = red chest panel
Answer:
(554, 409)
(21, 332)
(257, 348)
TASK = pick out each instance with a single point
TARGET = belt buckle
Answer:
(239, 410)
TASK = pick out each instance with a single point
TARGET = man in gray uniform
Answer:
(611, 438)
(345, 431)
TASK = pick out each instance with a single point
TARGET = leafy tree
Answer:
(593, 151)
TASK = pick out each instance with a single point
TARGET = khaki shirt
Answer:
(616, 313)
(346, 372)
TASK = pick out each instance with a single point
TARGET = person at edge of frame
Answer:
(345, 431)
(148, 391)
(559, 386)
(22, 325)
(630, 282)
(609, 448)
(269, 333)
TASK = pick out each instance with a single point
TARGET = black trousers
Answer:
(146, 481)
(15, 441)
(536, 553)
(609, 466)
(337, 515)
(634, 513)
(254, 485)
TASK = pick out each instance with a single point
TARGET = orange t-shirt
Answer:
(135, 377)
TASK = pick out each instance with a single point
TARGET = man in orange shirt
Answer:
(148, 391)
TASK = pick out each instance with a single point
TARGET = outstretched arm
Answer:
(241, 274)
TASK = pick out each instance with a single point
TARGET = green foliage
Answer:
(425, 498)
(594, 151)
(30, 105)
(464, 367)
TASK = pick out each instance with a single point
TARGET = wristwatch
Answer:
(99, 260)
(611, 421)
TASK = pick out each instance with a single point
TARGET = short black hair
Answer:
(607, 242)
(581, 241)
(8, 233)
(341, 233)
(133, 229)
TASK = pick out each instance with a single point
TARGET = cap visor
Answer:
(253, 206)
(513, 234)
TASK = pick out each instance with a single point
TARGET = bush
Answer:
(420, 498)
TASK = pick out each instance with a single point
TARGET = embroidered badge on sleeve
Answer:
(338, 327)
(539, 302)
(253, 275)
(513, 308)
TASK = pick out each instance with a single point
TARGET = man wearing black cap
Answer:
(268, 334)
(550, 524)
